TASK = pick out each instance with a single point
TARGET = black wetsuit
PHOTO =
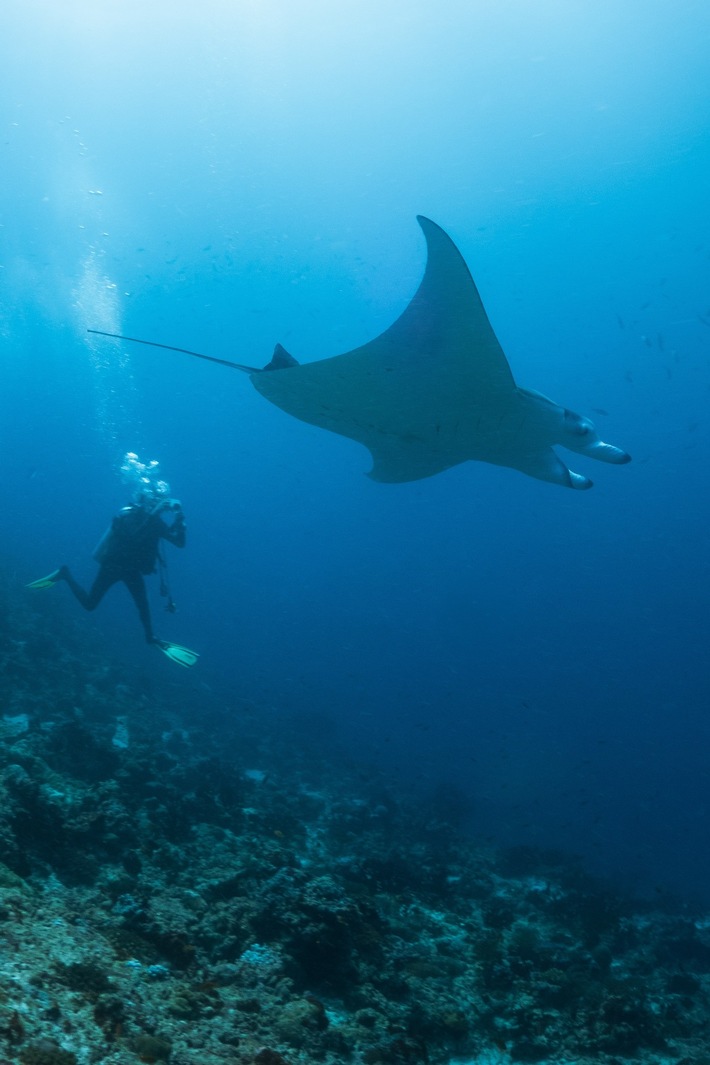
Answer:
(128, 550)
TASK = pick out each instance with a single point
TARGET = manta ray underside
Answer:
(433, 390)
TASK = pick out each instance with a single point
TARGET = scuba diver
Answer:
(131, 549)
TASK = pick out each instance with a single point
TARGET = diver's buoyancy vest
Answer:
(130, 542)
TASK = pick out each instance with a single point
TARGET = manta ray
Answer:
(432, 391)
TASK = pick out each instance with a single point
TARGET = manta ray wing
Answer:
(419, 395)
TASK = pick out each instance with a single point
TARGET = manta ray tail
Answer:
(169, 347)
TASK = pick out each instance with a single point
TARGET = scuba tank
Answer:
(124, 541)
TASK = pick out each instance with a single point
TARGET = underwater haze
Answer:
(224, 176)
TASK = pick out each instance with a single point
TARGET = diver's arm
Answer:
(175, 533)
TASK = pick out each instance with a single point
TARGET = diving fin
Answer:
(48, 581)
(182, 655)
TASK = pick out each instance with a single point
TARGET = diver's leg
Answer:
(136, 586)
(90, 600)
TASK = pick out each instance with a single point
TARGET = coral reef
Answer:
(205, 892)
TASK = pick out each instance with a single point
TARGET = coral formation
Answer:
(208, 894)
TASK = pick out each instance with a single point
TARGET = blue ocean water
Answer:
(224, 176)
